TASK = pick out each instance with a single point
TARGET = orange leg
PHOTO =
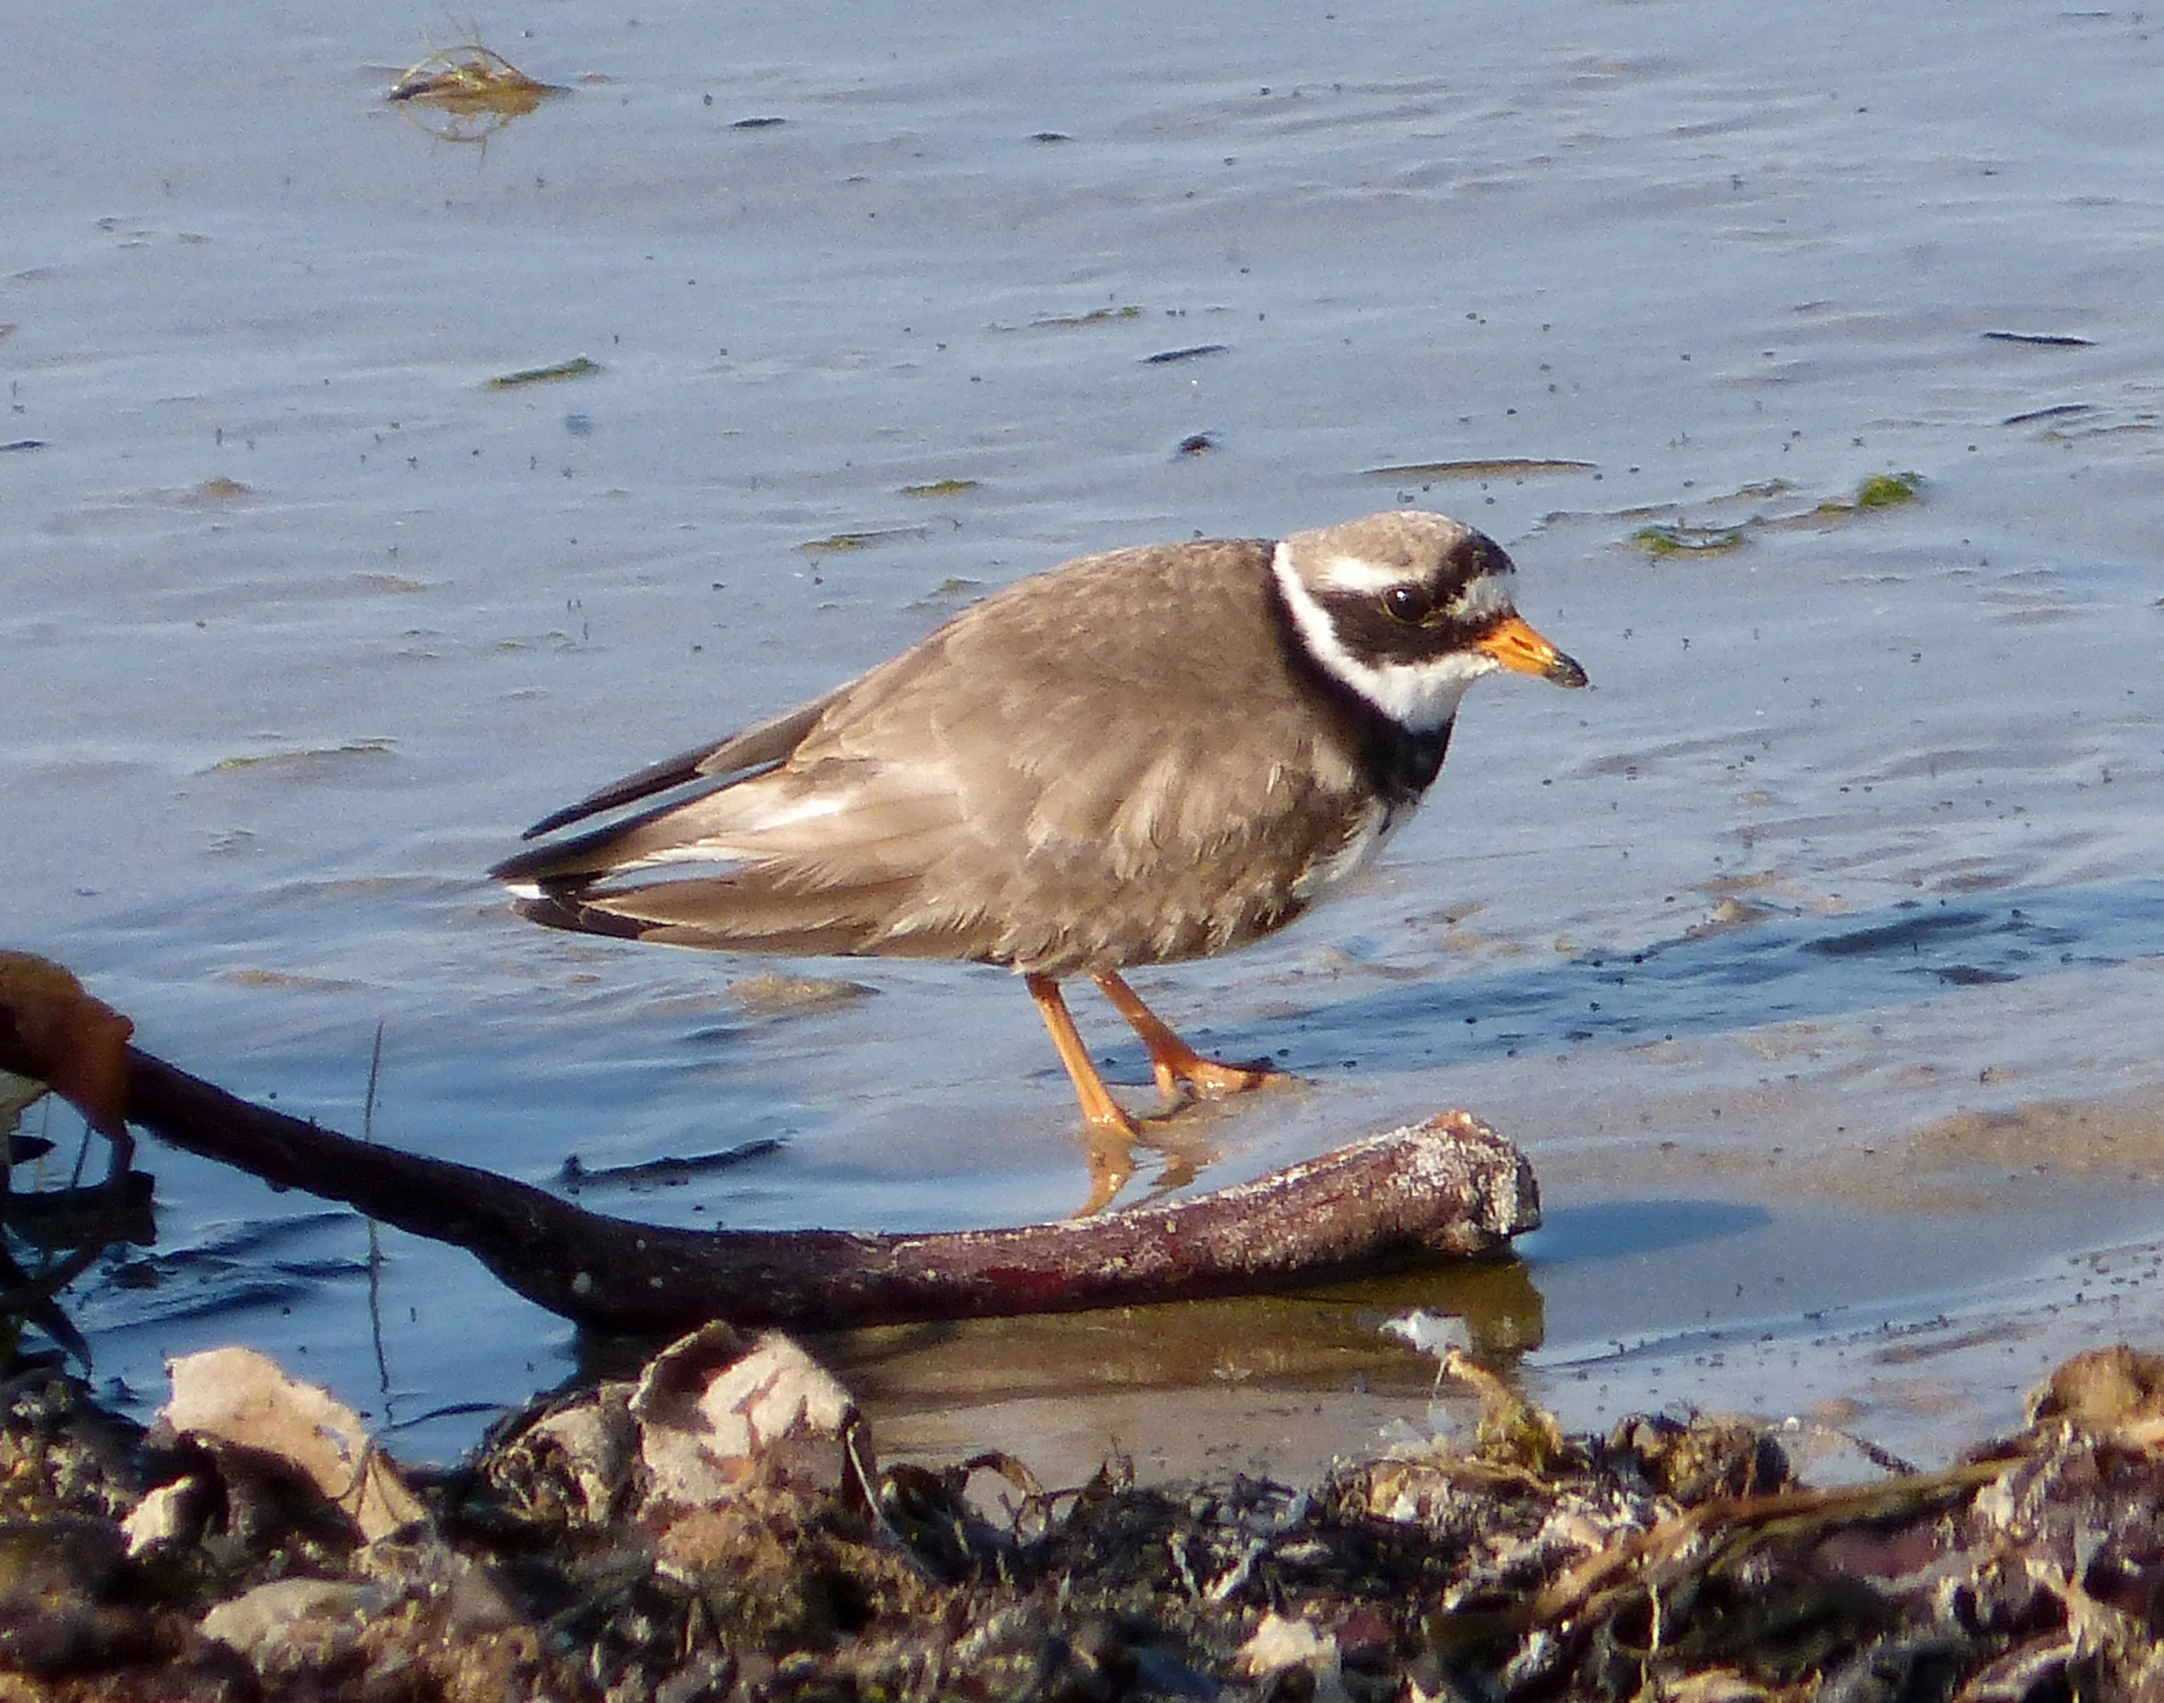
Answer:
(1109, 1133)
(1171, 1058)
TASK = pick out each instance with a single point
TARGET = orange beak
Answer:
(1517, 646)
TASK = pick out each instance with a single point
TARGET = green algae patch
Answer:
(577, 367)
(950, 594)
(1879, 491)
(1089, 321)
(1888, 490)
(941, 488)
(776, 995)
(1677, 539)
(1707, 538)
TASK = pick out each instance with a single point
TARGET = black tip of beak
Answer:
(1564, 671)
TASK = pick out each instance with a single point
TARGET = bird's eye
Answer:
(1411, 604)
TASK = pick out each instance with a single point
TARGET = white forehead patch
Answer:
(1357, 573)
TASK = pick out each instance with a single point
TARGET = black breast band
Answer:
(1398, 764)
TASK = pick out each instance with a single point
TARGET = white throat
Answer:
(1421, 697)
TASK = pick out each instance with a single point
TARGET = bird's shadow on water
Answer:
(1779, 969)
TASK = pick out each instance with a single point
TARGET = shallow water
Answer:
(1858, 831)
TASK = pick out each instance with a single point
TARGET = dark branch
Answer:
(1448, 1186)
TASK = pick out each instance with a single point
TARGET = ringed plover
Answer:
(1138, 757)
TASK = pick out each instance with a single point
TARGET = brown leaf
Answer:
(77, 1044)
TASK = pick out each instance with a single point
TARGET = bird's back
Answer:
(1117, 762)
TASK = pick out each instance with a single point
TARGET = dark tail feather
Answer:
(559, 910)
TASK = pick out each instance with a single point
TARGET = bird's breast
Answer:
(1366, 834)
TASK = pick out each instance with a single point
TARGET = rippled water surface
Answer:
(1856, 839)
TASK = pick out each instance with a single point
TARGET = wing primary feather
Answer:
(578, 860)
(758, 747)
(655, 777)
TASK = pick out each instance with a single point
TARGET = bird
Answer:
(1138, 757)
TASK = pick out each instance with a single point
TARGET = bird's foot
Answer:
(1172, 1060)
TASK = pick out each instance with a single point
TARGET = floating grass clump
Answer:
(472, 91)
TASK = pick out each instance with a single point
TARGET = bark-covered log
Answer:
(1450, 1185)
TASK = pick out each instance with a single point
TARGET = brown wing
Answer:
(1107, 764)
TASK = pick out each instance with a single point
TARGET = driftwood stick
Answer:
(1450, 1185)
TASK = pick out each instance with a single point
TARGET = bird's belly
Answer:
(1089, 917)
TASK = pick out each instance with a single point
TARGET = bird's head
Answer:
(1408, 609)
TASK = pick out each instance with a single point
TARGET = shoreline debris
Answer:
(721, 1527)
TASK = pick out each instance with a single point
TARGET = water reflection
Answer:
(1312, 1337)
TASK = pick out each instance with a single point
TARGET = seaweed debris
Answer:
(1079, 321)
(1713, 538)
(2040, 339)
(1482, 467)
(719, 1527)
(838, 543)
(579, 366)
